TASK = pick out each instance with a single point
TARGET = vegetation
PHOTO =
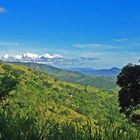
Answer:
(36, 106)
(129, 95)
(107, 83)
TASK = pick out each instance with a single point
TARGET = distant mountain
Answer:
(113, 72)
(108, 83)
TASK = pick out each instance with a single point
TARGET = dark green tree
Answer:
(129, 94)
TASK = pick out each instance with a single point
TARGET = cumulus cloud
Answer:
(51, 59)
(92, 45)
(2, 10)
(6, 56)
(31, 57)
(49, 56)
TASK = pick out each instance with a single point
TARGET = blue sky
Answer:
(106, 30)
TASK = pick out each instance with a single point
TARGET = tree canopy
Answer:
(129, 94)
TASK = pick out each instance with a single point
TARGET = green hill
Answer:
(34, 86)
(107, 83)
(34, 105)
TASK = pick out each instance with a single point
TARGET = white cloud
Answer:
(92, 45)
(120, 40)
(6, 56)
(49, 56)
(21, 57)
(46, 56)
(16, 57)
(57, 56)
(2, 10)
(32, 57)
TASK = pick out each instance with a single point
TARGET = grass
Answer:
(29, 129)
(39, 107)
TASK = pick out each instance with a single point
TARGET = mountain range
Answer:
(113, 72)
(108, 83)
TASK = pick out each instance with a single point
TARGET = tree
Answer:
(129, 94)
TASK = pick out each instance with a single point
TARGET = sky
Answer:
(87, 33)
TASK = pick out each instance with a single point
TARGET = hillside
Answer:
(107, 83)
(34, 105)
(36, 87)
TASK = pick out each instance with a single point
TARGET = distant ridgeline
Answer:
(33, 105)
(113, 72)
(108, 83)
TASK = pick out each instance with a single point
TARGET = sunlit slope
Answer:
(108, 83)
(38, 93)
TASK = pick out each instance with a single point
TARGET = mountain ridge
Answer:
(112, 72)
(74, 77)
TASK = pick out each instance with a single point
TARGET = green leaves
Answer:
(129, 95)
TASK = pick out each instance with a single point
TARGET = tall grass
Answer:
(29, 129)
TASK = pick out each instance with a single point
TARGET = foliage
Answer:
(28, 129)
(129, 95)
(40, 107)
(8, 80)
